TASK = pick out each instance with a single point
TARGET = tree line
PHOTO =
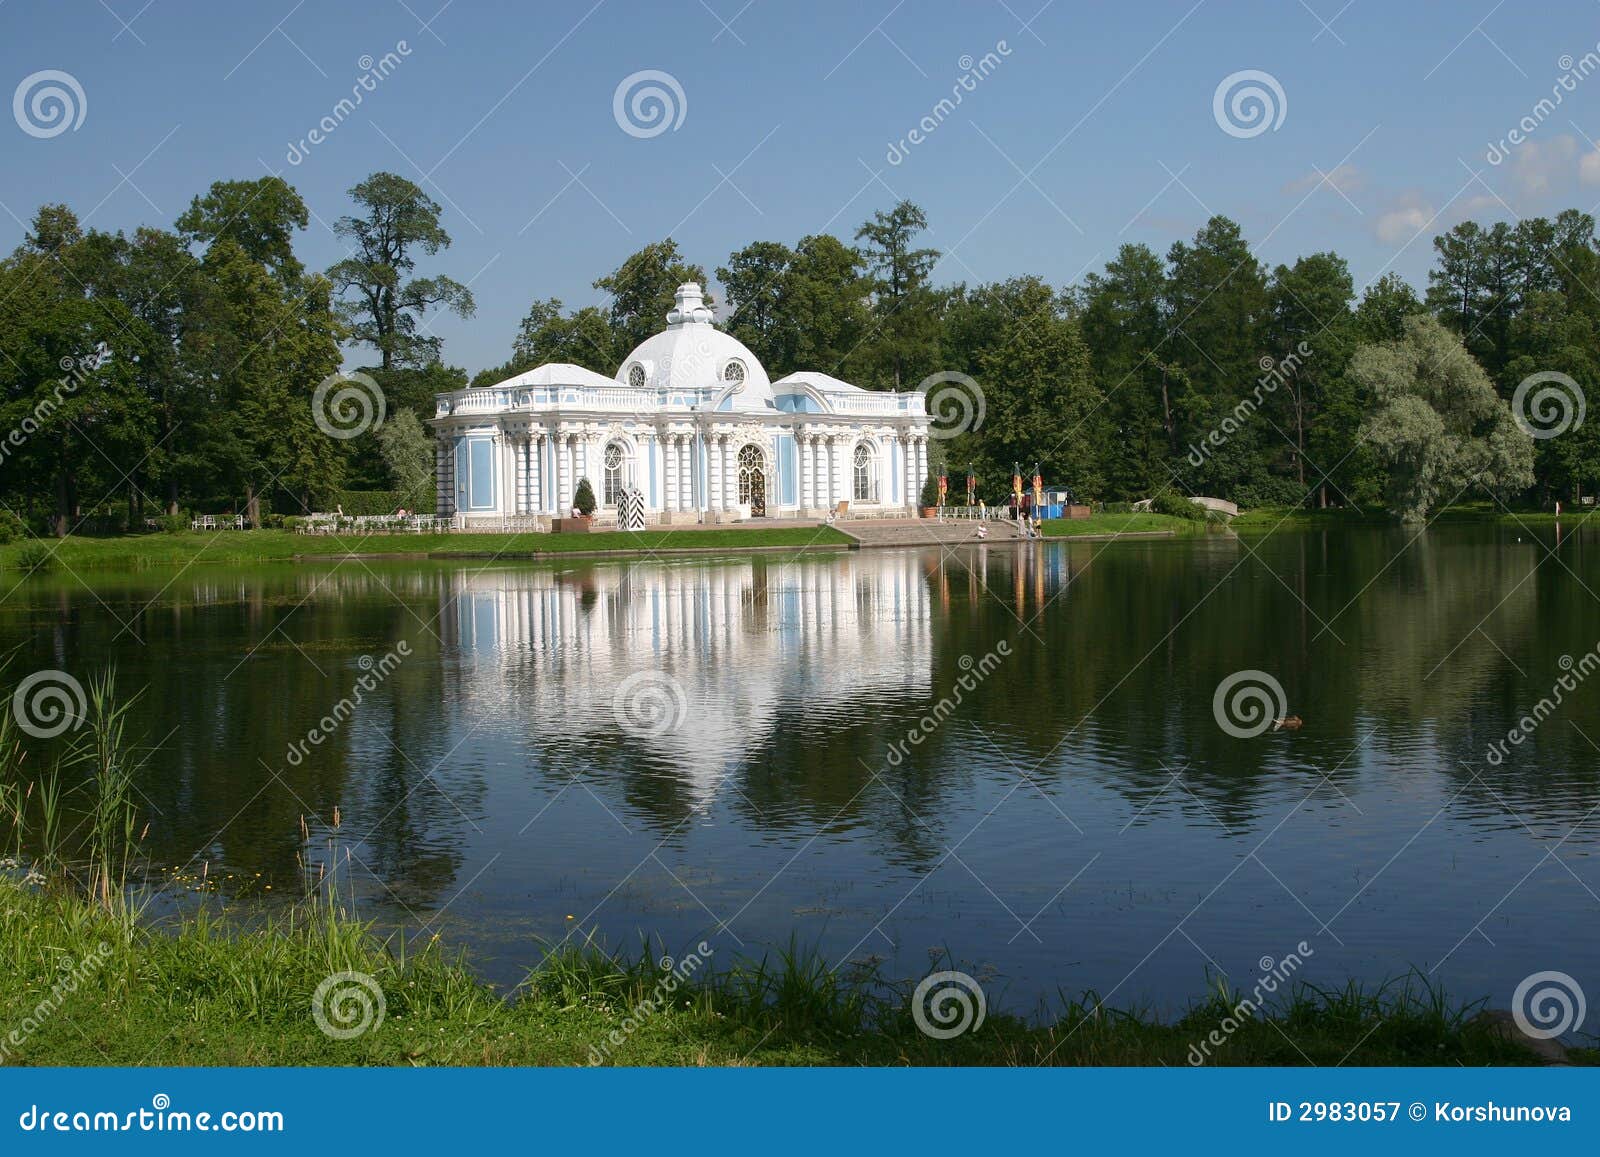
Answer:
(178, 368)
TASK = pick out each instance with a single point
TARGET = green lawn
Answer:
(1120, 524)
(204, 993)
(230, 546)
(1484, 513)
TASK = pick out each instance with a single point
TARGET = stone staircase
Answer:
(909, 532)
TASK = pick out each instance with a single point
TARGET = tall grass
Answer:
(97, 857)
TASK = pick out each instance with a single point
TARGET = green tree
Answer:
(1439, 427)
(1040, 398)
(753, 281)
(1385, 305)
(1310, 337)
(408, 455)
(67, 377)
(823, 309)
(1124, 319)
(260, 216)
(382, 303)
(642, 290)
(903, 345)
(583, 338)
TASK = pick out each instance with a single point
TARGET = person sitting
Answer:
(983, 532)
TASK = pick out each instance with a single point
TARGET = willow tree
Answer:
(1439, 428)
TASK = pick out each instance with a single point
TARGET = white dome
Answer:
(693, 354)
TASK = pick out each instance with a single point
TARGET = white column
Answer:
(686, 473)
(730, 467)
(700, 472)
(922, 466)
(803, 483)
(519, 461)
(669, 467)
(685, 486)
(564, 461)
(535, 474)
(714, 480)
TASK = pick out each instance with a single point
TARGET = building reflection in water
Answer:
(746, 644)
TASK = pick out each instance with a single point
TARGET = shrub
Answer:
(11, 526)
(291, 522)
(1116, 508)
(1171, 503)
(174, 523)
(34, 557)
(360, 502)
(272, 521)
(583, 500)
(930, 491)
(1270, 491)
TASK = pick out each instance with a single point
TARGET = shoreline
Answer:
(132, 552)
(210, 991)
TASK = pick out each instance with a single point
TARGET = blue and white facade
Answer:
(691, 420)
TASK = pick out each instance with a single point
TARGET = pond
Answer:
(1011, 756)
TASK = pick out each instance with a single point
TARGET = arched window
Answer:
(865, 490)
(753, 480)
(616, 477)
(733, 371)
(636, 376)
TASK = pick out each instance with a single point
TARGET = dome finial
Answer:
(689, 306)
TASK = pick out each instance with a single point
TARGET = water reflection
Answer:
(751, 645)
(1069, 815)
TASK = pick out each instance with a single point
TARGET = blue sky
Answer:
(1094, 127)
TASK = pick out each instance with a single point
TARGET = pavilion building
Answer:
(692, 422)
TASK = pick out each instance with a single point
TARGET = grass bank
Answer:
(1113, 524)
(201, 992)
(1477, 513)
(136, 551)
